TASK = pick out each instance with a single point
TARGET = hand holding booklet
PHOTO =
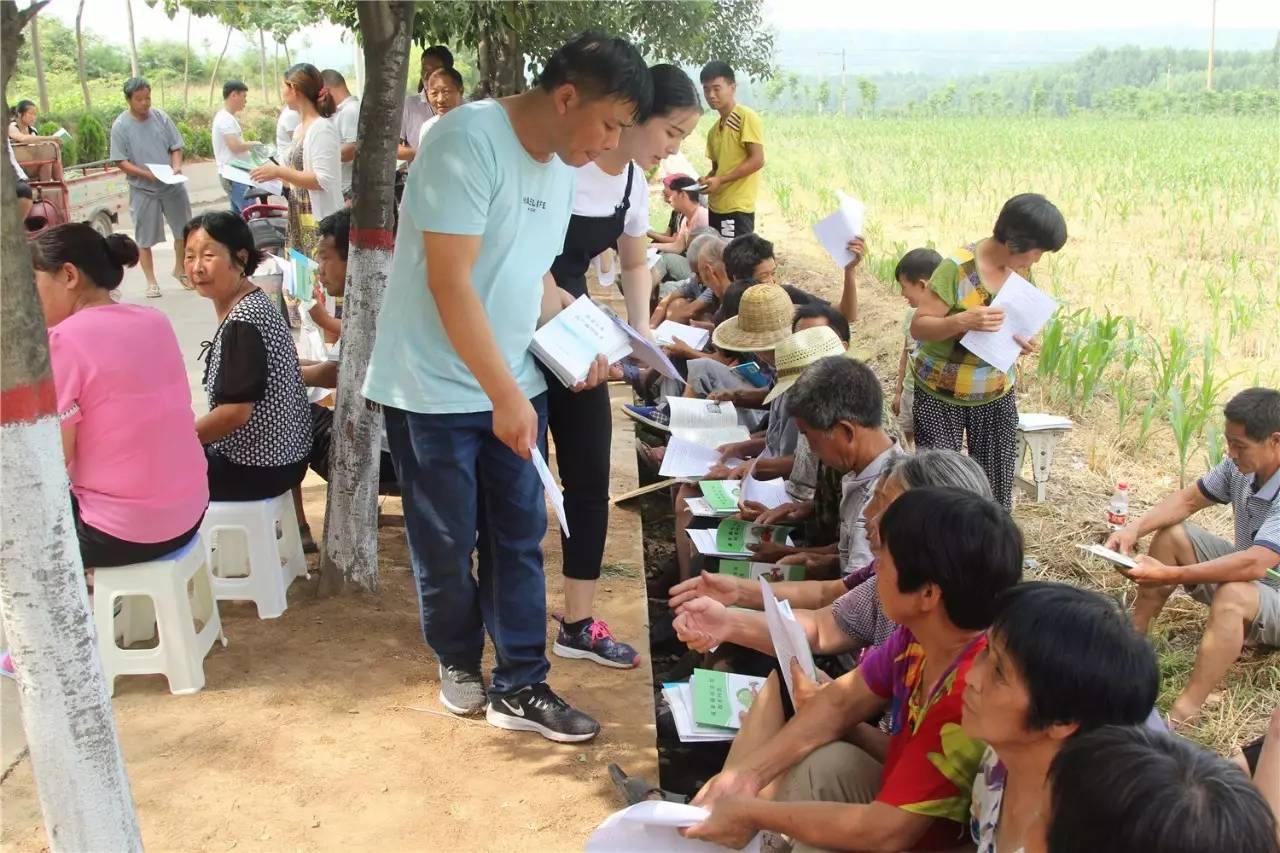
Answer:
(164, 173)
(652, 827)
(1026, 309)
(733, 538)
(1117, 559)
(789, 640)
(569, 343)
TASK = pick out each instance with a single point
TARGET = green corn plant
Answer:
(1214, 444)
(1145, 422)
(1051, 346)
(1168, 365)
(1122, 391)
(1098, 351)
(1183, 422)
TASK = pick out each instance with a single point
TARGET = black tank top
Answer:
(587, 237)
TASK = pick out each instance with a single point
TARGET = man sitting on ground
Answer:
(801, 778)
(697, 298)
(1234, 579)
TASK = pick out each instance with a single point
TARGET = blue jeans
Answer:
(465, 490)
(235, 194)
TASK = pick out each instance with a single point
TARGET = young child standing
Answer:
(913, 272)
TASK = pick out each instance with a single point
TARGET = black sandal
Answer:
(635, 790)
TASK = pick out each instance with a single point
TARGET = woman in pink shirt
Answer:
(138, 487)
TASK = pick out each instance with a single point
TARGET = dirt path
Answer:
(321, 730)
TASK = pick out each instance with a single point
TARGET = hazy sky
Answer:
(106, 18)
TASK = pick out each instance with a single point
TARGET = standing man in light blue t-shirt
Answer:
(463, 399)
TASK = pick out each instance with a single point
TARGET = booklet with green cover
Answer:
(721, 494)
(754, 571)
(721, 698)
(733, 536)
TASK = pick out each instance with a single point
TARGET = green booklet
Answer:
(754, 571)
(722, 495)
(733, 536)
(721, 698)
(249, 160)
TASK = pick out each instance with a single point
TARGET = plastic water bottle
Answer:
(1118, 509)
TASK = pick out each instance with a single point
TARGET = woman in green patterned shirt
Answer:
(957, 393)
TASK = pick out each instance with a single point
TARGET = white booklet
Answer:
(652, 827)
(769, 493)
(164, 173)
(1035, 422)
(1026, 309)
(240, 176)
(835, 231)
(1113, 557)
(643, 350)
(669, 331)
(570, 342)
(685, 459)
(789, 640)
(705, 422)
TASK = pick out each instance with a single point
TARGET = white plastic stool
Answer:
(1039, 434)
(273, 554)
(165, 596)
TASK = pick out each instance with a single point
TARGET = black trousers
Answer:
(322, 439)
(730, 225)
(100, 550)
(582, 427)
(231, 481)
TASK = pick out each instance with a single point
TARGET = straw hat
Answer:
(797, 352)
(764, 320)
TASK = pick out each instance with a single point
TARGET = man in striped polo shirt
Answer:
(1239, 581)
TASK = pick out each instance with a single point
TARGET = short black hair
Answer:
(232, 86)
(1030, 221)
(825, 310)
(672, 90)
(969, 547)
(835, 389)
(601, 66)
(441, 53)
(101, 259)
(743, 254)
(332, 77)
(1257, 410)
(22, 107)
(1078, 655)
(451, 73)
(715, 68)
(1123, 788)
(133, 84)
(338, 226)
(231, 231)
(732, 297)
(682, 184)
(917, 265)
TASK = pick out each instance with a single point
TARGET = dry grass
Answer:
(1086, 466)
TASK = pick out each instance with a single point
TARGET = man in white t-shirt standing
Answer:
(347, 120)
(286, 124)
(228, 139)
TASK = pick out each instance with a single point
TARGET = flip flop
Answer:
(635, 790)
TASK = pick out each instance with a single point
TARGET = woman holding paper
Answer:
(257, 434)
(23, 131)
(610, 208)
(959, 394)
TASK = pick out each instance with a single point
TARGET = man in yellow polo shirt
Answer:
(735, 146)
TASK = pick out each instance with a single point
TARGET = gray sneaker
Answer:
(462, 690)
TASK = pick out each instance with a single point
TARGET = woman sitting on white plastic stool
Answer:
(257, 434)
(138, 487)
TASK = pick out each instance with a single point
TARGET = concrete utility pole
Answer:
(66, 712)
(1213, 28)
(844, 87)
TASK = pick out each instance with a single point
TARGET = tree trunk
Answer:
(350, 550)
(501, 62)
(66, 712)
(287, 61)
(186, 68)
(213, 78)
(275, 69)
(42, 91)
(262, 63)
(133, 46)
(84, 82)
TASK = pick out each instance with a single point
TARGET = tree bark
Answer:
(275, 69)
(186, 67)
(287, 61)
(66, 712)
(262, 63)
(133, 46)
(84, 82)
(213, 78)
(42, 91)
(501, 64)
(350, 551)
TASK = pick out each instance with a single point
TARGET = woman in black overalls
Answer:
(612, 195)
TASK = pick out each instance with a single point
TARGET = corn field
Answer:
(1169, 284)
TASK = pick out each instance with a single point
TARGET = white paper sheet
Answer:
(684, 458)
(1026, 310)
(551, 487)
(704, 422)
(648, 354)
(164, 173)
(770, 493)
(669, 331)
(789, 640)
(240, 176)
(1034, 422)
(835, 231)
(1110, 556)
(651, 257)
(651, 827)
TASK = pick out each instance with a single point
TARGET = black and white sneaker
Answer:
(462, 689)
(538, 709)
